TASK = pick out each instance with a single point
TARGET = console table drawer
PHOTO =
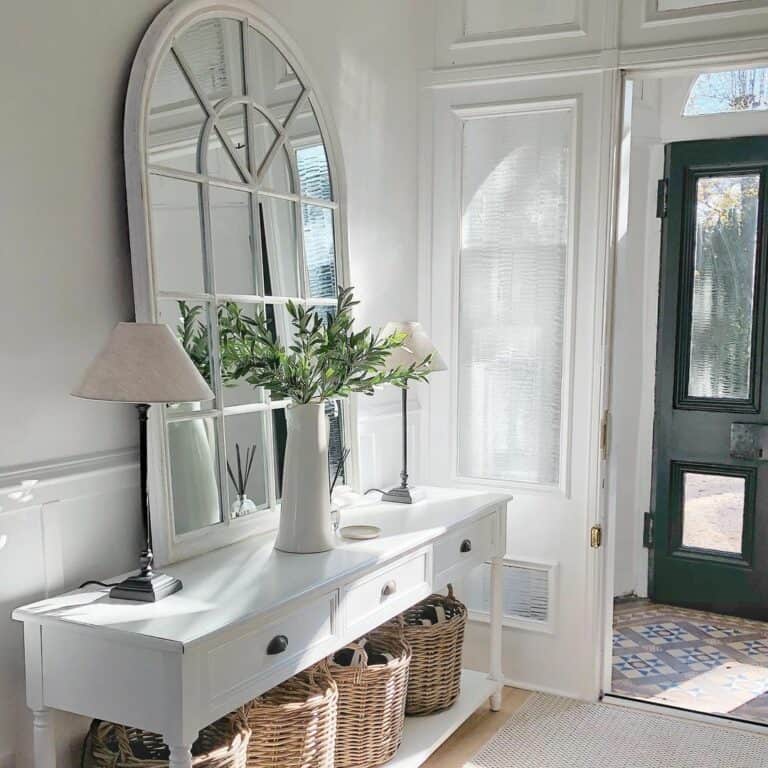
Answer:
(465, 547)
(296, 639)
(377, 598)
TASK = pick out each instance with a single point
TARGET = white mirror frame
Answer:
(169, 23)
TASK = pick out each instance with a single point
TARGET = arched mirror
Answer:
(234, 197)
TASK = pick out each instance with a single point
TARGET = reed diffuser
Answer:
(242, 505)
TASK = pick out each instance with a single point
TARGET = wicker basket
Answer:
(434, 680)
(371, 703)
(294, 724)
(222, 744)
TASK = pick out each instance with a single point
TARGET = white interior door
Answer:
(516, 271)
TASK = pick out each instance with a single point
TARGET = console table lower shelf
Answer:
(423, 735)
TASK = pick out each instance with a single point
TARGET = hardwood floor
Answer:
(476, 731)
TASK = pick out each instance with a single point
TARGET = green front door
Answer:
(710, 501)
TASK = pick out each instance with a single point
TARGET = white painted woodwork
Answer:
(180, 757)
(177, 665)
(43, 739)
(423, 735)
(496, 616)
(657, 24)
(485, 31)
(555, 517)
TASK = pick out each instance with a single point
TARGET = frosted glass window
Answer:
(723, 286)
(514, 241)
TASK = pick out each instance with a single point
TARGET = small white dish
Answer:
(360, 532)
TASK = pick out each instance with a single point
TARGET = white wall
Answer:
(66, 265)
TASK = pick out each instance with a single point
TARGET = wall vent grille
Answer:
(529, 594)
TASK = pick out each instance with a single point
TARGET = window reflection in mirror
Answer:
(242, 217)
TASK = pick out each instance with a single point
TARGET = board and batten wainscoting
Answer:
(60, 523)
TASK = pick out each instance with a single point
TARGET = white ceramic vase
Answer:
(305, 512)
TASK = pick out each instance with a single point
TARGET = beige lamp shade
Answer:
(416, 347)
(143, 363)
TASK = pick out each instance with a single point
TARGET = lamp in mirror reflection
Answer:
(416, 348)
(144, 364)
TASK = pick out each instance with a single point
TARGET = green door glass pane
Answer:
(713, 512)
(722, 307)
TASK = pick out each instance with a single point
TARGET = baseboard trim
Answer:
(527, 686)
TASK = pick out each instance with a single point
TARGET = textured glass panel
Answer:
(723, 286)
(313, 172)
(514, 242)
(319, 251)
(194, 469)
(246, 478)
(713, 511)
(177, 234)
(740, 90)
(311, 159)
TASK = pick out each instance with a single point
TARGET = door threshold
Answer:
(686, 714)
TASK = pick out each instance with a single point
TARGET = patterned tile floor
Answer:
(697, 660)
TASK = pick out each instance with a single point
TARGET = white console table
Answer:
(173, 667)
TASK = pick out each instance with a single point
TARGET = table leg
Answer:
(496, 630)
(43, 741)
(181, 757)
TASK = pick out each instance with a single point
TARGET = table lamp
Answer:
(144, 364)
(415, 348)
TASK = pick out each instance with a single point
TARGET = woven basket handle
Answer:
(321, 666)
(123, 743)
(363, 658)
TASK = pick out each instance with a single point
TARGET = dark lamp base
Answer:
(403, 495)
(147, 589)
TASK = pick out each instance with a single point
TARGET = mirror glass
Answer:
(242, 216)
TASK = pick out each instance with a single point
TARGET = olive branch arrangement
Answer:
(324, 359)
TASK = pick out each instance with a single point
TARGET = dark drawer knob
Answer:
(466, 546)
(277, 645)
(389, 589)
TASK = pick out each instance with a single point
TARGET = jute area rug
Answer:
(553, 732)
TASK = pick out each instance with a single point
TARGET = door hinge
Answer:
(604, 434)
(662, 198)
(596, 536)
(647, 530)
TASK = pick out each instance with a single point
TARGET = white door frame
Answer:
(660, 70)
(594, 325)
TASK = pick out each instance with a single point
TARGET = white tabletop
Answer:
(233, 584)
